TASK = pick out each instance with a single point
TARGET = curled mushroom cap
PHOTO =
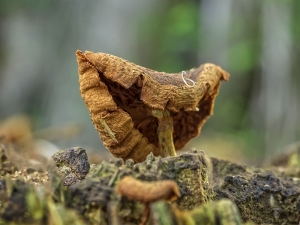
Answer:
(130, 104)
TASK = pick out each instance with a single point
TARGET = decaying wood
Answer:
(233, 193)
(124, 95)
(261, 196)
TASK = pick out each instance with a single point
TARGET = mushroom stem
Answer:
(165, 132)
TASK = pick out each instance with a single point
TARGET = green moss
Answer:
(213, 213)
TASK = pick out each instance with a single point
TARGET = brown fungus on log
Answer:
(137, 110)
(147, 192)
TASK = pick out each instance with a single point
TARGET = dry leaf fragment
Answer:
(137, 110)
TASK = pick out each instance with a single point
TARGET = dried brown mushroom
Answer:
(137, 110)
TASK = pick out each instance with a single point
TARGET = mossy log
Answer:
(212, 191)
(261, 196)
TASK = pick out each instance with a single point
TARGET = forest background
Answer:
(257, 113)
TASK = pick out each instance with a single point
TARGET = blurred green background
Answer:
(257, 112)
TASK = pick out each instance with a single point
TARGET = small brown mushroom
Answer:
(137, 110)
(147, 192)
